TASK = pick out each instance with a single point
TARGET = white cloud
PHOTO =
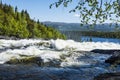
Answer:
(77, 15)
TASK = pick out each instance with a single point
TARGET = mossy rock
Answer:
(26, 60)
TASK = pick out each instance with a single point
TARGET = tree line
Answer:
(20, 25)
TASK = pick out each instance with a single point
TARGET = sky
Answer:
(39, 9)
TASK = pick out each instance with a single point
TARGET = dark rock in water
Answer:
(34, 60)
(26, 60)
(105, 51)
(114, 59)
(108, 76)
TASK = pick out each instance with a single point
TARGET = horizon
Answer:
(77, 23)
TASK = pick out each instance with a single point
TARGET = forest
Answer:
(19, 24)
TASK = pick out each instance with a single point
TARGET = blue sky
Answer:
(39, 9)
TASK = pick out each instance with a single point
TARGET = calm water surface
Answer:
(98, 39)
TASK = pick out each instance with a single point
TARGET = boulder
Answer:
(114, 59)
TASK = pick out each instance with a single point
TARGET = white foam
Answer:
(46, 55)
(85, 46)
(73, 64)
(51, 54)
(17, 43)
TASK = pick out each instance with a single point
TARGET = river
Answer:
(99, 39)
(53, 59)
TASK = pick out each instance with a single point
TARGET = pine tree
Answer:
(19, 24)
(16, 9)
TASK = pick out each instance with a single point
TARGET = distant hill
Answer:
(77, 27)
(19, 24)
(75, 30)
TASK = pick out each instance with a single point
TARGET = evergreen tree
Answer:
(16, 9)
(19, 24)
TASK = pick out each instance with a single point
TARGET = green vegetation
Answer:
(20, 25)
(93, 11)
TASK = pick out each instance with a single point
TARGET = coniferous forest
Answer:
(19, 24)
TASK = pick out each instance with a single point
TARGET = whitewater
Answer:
(47, 49)
(71, 56)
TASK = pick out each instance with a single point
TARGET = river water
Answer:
(99, 39)
(63, 59)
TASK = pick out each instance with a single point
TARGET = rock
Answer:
(26, 60)
(105, 51)
(108, 76)
(114, 59)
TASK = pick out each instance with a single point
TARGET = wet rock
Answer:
(26, 60)
(105, 51)
(34, 61)
(108, 76)
(114, 59)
